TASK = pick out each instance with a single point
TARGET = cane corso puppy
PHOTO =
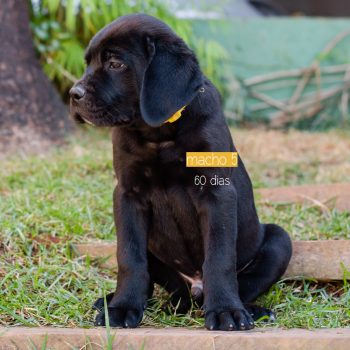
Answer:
(199, 241)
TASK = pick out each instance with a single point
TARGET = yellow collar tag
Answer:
(176, 115)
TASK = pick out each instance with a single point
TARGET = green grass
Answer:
(48, 202)
(307, 222)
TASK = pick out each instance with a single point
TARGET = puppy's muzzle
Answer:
(77, 94)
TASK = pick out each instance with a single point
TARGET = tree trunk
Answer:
(32, 114)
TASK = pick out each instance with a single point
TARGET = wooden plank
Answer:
(320, 260)
(106, 251)
(330, 195)
(175, 339)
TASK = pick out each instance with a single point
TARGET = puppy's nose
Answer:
(77, 92)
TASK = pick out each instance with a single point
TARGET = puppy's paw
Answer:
(120, 314)
(118, 317)
(229, 320)
(260, 313)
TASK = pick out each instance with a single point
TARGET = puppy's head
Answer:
(137, 68)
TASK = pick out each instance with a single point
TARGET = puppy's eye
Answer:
(116, 65)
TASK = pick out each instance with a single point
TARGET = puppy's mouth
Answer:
(101, 119)
(80, 119)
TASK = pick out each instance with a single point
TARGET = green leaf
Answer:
(70, 16)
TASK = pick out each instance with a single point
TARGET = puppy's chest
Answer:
(159, 165)
(159, 177)
(165, 152)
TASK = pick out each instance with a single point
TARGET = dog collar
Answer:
(176, 115)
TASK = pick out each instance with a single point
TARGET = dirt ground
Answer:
(310, 157)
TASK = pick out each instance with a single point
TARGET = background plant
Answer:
(62, 30)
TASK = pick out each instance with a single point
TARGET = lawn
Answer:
(64, 196)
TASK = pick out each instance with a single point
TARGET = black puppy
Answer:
(206, 238)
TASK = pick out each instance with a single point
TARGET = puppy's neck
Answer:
(193, 115)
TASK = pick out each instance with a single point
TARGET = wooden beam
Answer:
(321, 260)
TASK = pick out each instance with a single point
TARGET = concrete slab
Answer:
(174, 339)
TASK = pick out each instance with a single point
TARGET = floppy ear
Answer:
(171, 81)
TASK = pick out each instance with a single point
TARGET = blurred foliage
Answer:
(62, 30)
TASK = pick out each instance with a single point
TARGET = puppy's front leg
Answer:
(125, 309)
(223, 307)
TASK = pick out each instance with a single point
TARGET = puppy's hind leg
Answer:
(99, 304)
(266, 269)
(172, 282)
